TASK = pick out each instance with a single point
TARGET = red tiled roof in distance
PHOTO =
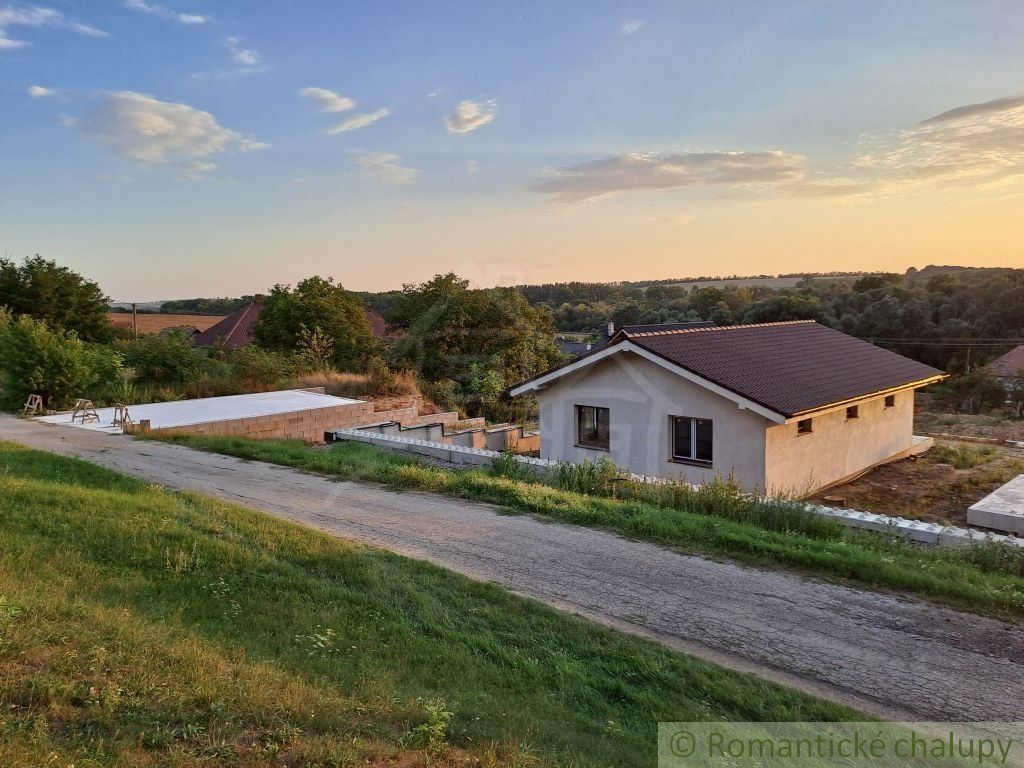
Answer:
(234, 331)
(239, 329)
(1009, 365)
(379, 326)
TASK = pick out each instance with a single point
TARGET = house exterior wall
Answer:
(837, 448)
(760, 455)
(641, 397)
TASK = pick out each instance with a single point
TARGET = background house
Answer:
(239, 328)
(785, 407)
(1009, 366)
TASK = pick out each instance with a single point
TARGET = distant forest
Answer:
(951, 317)
(947, 316)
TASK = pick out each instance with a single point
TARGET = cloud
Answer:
(244, 56)
(247, 62)
(470, 115)
(623, 173)
(976, 145)
(39, 92)
(674, 220)
(383, 167)
(151, 132)
(329, 101)
(164, 13)
(630, 26)
(360, 121)
(37, 16)
(67, 120)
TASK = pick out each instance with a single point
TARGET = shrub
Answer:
(56, 364)
(260, 367)
(593, 477)
(165, 359)
(382, 384)
(962, 456)
(508, 466)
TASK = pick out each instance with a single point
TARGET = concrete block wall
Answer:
(308, 425)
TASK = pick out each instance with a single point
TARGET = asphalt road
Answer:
(896, 658)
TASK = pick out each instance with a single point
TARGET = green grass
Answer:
(716, 521)
(962, 456)
(143, 627)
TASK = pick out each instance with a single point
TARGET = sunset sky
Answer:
(191, 148)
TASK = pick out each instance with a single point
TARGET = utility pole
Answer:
(135, 320)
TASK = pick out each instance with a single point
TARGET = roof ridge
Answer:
(243, 313)
(674, 331)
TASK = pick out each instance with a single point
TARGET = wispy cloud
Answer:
(154, 9)
(383, 167)
(968, 146)
(247, 57)
(360, 121)
(247, 61)
(39, 92)
(329, 101)
(470, 115)
(67, 120)
(630, 26)
(624, 173)
(150, 132)
(676, 220)
(37, 16)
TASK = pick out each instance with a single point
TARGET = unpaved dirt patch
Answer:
(928, 488)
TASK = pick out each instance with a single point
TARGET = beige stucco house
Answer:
(788, 408)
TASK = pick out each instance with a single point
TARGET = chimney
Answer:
(611, 329)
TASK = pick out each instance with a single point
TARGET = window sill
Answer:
(593, 447)
(692, 462)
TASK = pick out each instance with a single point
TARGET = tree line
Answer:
(467, 345)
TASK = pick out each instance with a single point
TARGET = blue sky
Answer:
(189, 148)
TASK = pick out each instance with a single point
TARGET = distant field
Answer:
(743, 282)
(156, 323)
(771, 282)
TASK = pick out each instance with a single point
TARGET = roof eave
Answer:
(625, 345)
(797, 416)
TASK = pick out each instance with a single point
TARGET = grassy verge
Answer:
(986, 578)
(143, 627)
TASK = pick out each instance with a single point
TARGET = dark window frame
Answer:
(597, 444)
(852, 412)
(805, 427)
(695, 423)
(890, 401)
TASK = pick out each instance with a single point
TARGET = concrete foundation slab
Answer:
(1001, 510)
(181, 413)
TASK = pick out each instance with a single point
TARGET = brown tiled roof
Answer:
(239, 329)
(379, 326)
(790, 367)
(1010, 364)
(234, 331)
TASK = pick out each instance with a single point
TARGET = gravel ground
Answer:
(896, 658)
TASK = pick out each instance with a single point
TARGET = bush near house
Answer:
(716, 519)
(37, 359)
(142, 627)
